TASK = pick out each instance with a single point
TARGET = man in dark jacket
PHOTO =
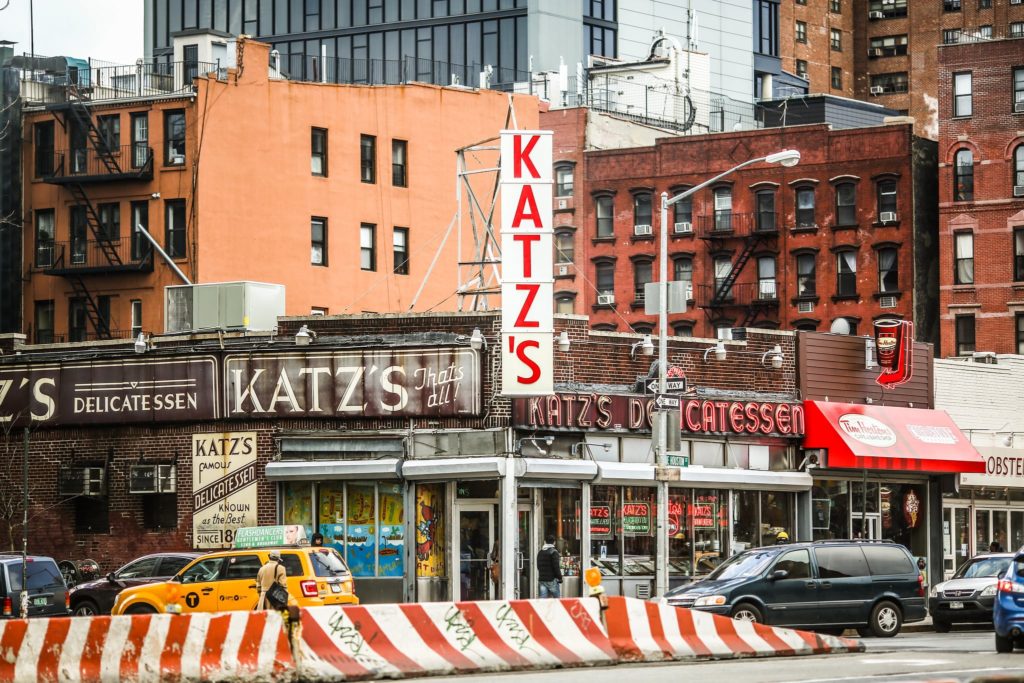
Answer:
(549, 569)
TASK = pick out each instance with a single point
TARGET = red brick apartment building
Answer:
(981, 197)
(847, 233)
(884, 51)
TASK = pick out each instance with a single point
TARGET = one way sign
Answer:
(666, 402)
(670, 385)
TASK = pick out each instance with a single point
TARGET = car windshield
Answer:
(750, 563)
(41, 574)
(327, 562)
(983, 568)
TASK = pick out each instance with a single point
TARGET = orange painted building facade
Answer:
(271, 181)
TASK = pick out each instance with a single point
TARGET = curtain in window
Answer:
(965, 259)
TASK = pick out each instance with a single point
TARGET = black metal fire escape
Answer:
(753, 231)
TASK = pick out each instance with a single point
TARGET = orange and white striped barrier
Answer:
(394, 641)
(648, 631)
(191, 647)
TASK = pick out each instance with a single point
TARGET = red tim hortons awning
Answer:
(886, 438)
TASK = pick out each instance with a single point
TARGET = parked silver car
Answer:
(969, 595)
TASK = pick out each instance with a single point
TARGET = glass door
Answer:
(525, 553)
(476, 539)
(867, 526)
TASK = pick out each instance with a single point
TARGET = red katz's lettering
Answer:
(521, 156)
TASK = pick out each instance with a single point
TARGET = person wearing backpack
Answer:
(270, 574)
(549, 569)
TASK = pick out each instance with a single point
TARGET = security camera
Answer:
(812, 459)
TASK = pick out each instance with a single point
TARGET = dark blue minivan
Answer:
(828, 586)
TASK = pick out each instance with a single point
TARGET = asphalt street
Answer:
(957, 656)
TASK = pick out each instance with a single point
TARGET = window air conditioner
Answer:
(887, 302)
(152, 479)
(642, 230)
(877, 90)
(565, 269)
(1018, 107)
(887, 217)
(83, 481)
(683, 227)
(876, 15)
(605, 299)
(563, 203)
(177, 159)
(1018, 190)
(875, 52)
(805, 307)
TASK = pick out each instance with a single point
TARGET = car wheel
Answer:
(941, 626)
(746, 612)
(886, 620)
(140, 609)
(1003, 645)
(86, 608)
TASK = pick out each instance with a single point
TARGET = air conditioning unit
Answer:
(1018, 190)
(805, 307)
(152, 479)
(1016, 2)
(887, 302)
(876, 15)
(683, 227)
(176, 160)
(643, 229)
(564, 269)
(986, 357)
(83, 481)
(877, 90)
(875, 52)
(887, 217)
(605, 299)
(1018, 107)
(563, 203)
(248, 306)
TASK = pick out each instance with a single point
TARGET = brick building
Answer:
(981, 197)
(342, 193)
(847, 233)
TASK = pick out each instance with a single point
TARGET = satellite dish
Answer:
(840, 326)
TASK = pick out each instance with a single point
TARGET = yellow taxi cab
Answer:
(226, 580)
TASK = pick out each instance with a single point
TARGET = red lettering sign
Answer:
(521, 156)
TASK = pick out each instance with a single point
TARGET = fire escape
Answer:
(745, 233)
(93, 249)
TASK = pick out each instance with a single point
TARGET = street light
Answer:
(787, 158)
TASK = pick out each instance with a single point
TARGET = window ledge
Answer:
(852, 226)
(177, 168)
(603, 307)
(964, 289)
(804, 299)
(1018, 286)
(845, 297)
(892, 224)
(681, 235)
(641, 238)
(896, 294)
(809, 229)
(567, 276)
(636, 305)
(603, 240)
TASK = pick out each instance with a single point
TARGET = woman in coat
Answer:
(270, 573)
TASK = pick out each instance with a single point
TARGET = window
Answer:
(141, 154)
(962, 94)
(44, 148)
(564, 247)
(1018, 90)
(78, 141)
(682, 271)
(841, 562)
(1018, 254)
(766, 289)
(682, 211)
(964, 258)
(563, 180)
(174, 137)
(79, 228)
(890, 83)
(140, 246)
(641, 276)
(1018, 166)
(368, 246)
(603, 211)
(846, 273)
(682, 329)
(950, 36)
(888, 8)
(44, 238)
(1020, 333)
(964, 335)
(886, 196)
(723, 208)
(801, 68)
(368, 158)
(642, 209)
(984, 4)
(203, 571)
(806, 275)
(399, 163)
(801, 31)
(160, 511)
(885, 560)
(44, 322)
(835, 39)
(888, 46)
(377, 510)
(985, 32)
(136, 318)
(846, 204)
(766, 211)
(1017, 29)
(605, 277)
(837, 78)
(888, 270)
(951, 5)
(564, 303)
(174, 228)
(318, 310)
(801, 2)
(835, 6)
(76, 320)
(963, 176)
(109, 128)
(767, 27)
(796, 564)
(805, 207)
(190, 62)
(318, 152)
(318, 241)
(400, 244)
(723, 268)
(110, 221)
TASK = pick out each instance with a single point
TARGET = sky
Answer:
(108, 30)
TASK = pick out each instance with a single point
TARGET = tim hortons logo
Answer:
(867, 430)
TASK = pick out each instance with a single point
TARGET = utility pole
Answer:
(24, 524)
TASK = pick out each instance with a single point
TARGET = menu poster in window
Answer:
(360, 537)
(675, 520)
(636, 519)
(391, 542)
(703, 515)
(430, 530)
(600, 520)
(821, 511)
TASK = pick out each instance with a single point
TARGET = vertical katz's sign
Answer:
(223, 487)
(527, 286)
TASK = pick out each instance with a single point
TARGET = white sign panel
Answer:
(223, 487)
(1003, 467)
(527, 286)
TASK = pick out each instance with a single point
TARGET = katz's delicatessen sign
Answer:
(223, 487)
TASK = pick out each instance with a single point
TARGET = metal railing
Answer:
(726, 224)
(89, 254)
(127, 160)
(740, 294)
(142, 79)
(396, 71)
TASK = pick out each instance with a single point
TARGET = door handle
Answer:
(825, 584)
(519, 561)
(253, 586)
(810, 584)
(205, 591)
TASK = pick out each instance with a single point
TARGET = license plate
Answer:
(39, 602)
(956, 605)
(335, 587)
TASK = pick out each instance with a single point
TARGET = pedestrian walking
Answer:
(549, 569)
(271, 573)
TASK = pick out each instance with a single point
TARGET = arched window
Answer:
(723, 208)
(963, 176)
(846, 273)
(682, 271)
(846, 204)
(805, 207)
(806, 275)
(563, 180)
(682, 212)
(1018, 167)
(605, 278)
(643, 328)
(641, 276)
(888, 270)
(642, 209)
(682, 329)
(565, 302)
(766, 211)
(603, 213)
(564, 247)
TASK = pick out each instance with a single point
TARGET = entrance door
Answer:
(476, 538)
(524, 553)
(867, 526)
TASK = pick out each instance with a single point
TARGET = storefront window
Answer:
(361, 537)
(1016, 530)
(745, 532)
(830, 509)
(622, 520)
(865, 499)
(982, 530)
(331, 497)
(604, 538)
(709, 519)
(758, 517)
(430, 531)
(680, 547)
(391, 527)
(297, 503)
(776, 516)
(561, 513)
